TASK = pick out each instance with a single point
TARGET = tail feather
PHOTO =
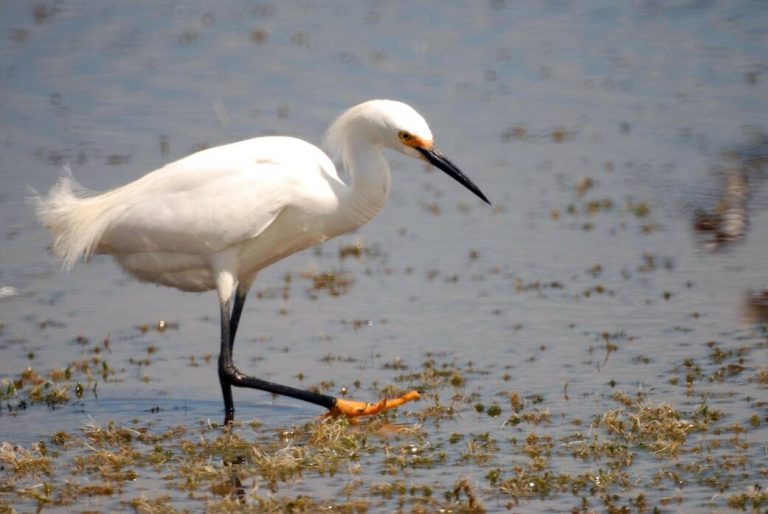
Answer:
(75, 216)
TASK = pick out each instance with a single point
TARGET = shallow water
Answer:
(599, 132)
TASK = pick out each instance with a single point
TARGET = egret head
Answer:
(395, 125)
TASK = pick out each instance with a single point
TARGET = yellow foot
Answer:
(354, 409)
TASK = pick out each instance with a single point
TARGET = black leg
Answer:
(234, 321)
(226, 353)
(230, 376)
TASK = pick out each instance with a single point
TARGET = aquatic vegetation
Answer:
(659, 428)
(248, 468)
(335, 283)
(55, 388)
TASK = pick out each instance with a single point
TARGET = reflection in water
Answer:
(728, 221)
(234, 486)
(755, 309)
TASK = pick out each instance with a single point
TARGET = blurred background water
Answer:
(622, 145)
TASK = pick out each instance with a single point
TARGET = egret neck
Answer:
(370, 182)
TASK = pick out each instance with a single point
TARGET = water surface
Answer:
(601, 132)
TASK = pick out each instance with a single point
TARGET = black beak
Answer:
(439, 160)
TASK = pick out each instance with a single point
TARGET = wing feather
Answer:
(223, 208)
(200, 204)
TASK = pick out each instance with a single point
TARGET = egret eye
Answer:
(404, 136)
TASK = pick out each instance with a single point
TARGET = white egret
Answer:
(216, 218)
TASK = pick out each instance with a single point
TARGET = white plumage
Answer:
(167, 226)
(214, 219)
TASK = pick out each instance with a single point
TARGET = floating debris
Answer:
(8, 291)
